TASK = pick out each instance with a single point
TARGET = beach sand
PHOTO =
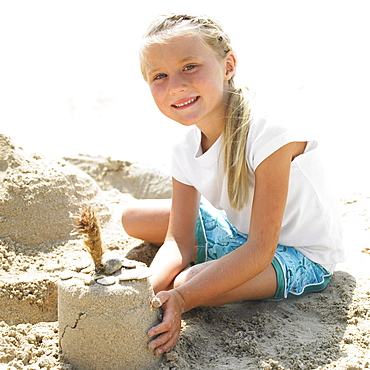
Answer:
(328, 330)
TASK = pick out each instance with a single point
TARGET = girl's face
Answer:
(189, 82)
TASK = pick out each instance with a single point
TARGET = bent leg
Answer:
(262, 286)
(147, 220)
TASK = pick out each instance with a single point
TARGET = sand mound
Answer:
(139, 180)
(37, 193)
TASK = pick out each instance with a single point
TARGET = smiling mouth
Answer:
(185, 103)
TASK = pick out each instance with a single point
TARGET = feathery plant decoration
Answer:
(87, 223)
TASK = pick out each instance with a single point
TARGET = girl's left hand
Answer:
(168, 330)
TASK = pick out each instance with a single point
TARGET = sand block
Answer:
(28, 298)
(105, 326)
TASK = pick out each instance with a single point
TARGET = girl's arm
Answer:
(244, 263)
(177, 251)
(249, 260)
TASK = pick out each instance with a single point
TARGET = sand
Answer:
(109, 323)
(328, 330)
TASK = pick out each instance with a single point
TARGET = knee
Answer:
(146, 220)
(179, 280)
(129, 220)
(185, 276)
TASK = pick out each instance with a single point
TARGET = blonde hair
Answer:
(238, 111)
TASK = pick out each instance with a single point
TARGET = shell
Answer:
(66, 274)
(106, 280)
(135, 274)
(111, 262)
(129, 264)
(88, 269)
(82, 265)
(96, 277)
(88, 280)
(112, 265)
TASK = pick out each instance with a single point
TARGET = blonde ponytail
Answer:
(234, 148)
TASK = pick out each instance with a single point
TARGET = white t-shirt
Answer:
(311, 221)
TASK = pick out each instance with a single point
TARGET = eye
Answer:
(189, 67)
(159, 76)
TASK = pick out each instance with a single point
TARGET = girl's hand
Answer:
(168, 330)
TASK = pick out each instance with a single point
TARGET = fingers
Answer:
(164, 342)
(168, 330)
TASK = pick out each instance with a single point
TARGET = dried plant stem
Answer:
(87, 224)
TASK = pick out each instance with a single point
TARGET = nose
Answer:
(177, 85)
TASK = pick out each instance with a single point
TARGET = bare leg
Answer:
(147, 220)
(260, 287)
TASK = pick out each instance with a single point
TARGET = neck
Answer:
(214, 127)
(208, 141)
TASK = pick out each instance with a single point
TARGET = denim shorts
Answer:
(295, 273)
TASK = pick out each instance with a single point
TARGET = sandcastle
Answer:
(104, 310)
(105, 326)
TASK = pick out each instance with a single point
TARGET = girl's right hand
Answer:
(168, 331)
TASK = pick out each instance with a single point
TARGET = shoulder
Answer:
(268, 133)
(266, 128)
(183, 156)
(189, 142)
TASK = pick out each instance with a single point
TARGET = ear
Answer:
(230, 65)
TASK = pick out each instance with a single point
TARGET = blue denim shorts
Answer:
(295, 273)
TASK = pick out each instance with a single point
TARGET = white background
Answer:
(70, 80)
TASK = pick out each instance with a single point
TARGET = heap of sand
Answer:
(36, 194)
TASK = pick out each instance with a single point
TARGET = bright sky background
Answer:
(70, 81)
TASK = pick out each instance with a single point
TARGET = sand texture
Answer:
(109, 323)
(328, 330)
(36, 194)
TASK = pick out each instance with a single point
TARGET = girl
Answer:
(266, 225)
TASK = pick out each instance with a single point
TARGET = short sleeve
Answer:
(265, 138)
(176, 169)
(183, 153)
